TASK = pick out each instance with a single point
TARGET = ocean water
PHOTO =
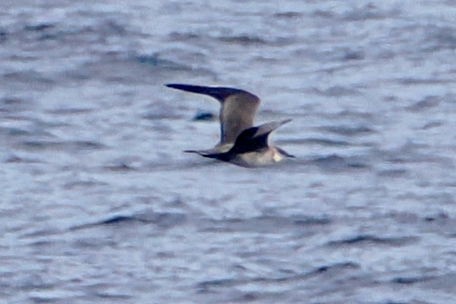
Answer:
(98, 203)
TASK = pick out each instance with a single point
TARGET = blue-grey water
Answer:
(98, 203)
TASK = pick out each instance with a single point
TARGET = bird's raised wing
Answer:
(255, 138)
(237, 111)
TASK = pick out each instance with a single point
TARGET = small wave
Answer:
(325, 269)
(70, 111)
(120, 167)
(307, 221)
(178, 36)
(114, 220)
(161, 219)
(155, 61)
(238, 39)
(62, 145)
(422, 81)
(316, 141)
(3, 35)
(368, 12)
(120, 219)
(27, 78)
(20, 159)
(288, 15)
(348, 130)
(371, 239)
(203, 286)
(83, 184)
(410, 153)
(439, 217)
(38, 27)
(266, 223)
(243, 39)
(15, 132)
(13, 104)
(336, 162)
(112, 296)
(336, 91)
(425, 104)
(334, 268)
(438, 37)
(204, 116)
(390, 173)
(410, 280)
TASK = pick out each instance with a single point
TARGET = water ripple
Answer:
(371, 239)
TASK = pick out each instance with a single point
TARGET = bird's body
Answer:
(258, 158)
(240, 143)
(251, 148)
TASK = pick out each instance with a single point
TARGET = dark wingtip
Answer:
(199, 152)
(219, 93)
(194, 89)
(174, 85)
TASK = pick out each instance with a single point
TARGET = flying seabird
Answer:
(251, 148)
(240, 143)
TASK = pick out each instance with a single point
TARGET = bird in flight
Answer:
(240, 143)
